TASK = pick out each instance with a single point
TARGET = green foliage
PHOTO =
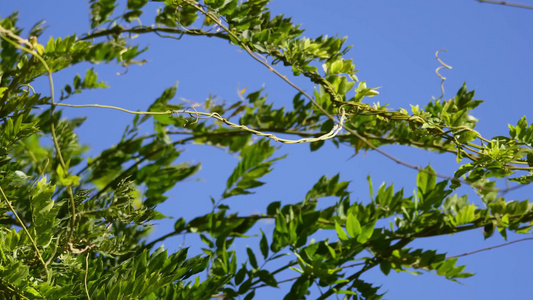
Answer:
(74, 228)
(253, 165)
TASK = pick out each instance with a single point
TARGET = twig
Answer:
(506, 3)
(278, 282)
(55, 250)
(489, 248)
(148, 29)
(173, 233)
(86, 273)
(331, 134)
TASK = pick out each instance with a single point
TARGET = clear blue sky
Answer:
(489, 46)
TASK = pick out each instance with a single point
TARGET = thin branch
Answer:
(438, 230)
(332, 133)
(52, 256)
(340, 137)
(85, 277)
(278, 282)
(351, 266)
(150, 29)
(490, 248)
(175, 232)
(507, 3)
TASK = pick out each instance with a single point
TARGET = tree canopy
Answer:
(77, 227)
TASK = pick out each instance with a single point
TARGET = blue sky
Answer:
(489, 47)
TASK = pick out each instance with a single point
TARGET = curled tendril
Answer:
(444, 66)
(194, 115)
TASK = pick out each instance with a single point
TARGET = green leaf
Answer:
(253, 165)
(251, 258)
(179, 225)
(100, 11)
(245, 286)
(336, 67)
(263, 245)
(370, 187)
(250, 295)
(136, 4)
(366, 232)
(267, 278)
(273, 207)
(44, 212)
(340, 232)
(385, 267)
(114, 293)
(352, 226)
(316, 145)
(239, 276)
(426, 181)
(157, 259)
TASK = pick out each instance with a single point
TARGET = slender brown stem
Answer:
(490, 248)
(507, 3)
(150, 29)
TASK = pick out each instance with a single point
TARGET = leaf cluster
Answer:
(73, 227)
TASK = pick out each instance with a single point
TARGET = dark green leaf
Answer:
(251, 258)
(263, 245)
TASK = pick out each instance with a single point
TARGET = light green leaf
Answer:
(352, 225)
(340, 232)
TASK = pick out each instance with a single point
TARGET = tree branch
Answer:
(506, 3)
(176, 232)
(490, 248)
(151, 29)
